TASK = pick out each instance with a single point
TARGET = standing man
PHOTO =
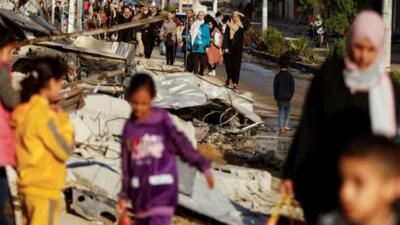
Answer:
(283, 93)
(108, 11)
(126, 17)
(148, 34)
(57, 14)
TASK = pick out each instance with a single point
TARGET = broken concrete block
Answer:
(211, 203)
(241, 183)
(82, 131)
(201, 133)
(92, 206)
(186, 128)
(186, 174)
(97, 177)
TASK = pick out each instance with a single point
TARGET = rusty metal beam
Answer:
(93, 32)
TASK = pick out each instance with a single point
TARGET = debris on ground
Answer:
(219, 121)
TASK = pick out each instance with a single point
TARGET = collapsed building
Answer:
(205, 111)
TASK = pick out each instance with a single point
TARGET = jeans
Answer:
(283, 113)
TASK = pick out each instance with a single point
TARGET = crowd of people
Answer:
(207, 42)
(99, 14)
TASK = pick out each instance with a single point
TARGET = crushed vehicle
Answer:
(82, 60)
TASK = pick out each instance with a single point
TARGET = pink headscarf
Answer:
(368, 24)
(374, 80)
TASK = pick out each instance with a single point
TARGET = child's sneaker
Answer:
(288, 128)
(282, 131)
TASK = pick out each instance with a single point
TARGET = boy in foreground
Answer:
(369, 170)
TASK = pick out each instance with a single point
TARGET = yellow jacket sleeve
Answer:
(57, 135)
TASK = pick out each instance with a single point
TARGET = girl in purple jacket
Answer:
(150, 143)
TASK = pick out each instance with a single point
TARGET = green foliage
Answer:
(309, 54)
(298, 47)
(252, 37)
(170, 8)
(338, 49)
(341, 13)
(142, 2)
(301, 49)
(273, 41)
(304, 4)
(396, 76)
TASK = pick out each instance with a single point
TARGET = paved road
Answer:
(258, 79)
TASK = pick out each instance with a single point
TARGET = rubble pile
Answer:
(235, 134)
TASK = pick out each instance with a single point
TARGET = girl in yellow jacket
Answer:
(44, 141)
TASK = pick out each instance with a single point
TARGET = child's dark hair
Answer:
(385, 151)
(226, 19)
(41, 70)
(139, 81)
(284, 61)
(214, 23)
(218, 14)
(126, 7)
(9, 36)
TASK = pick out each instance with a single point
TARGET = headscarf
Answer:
(233, 27)
(374, 80)
(170, 16)
(195, 29)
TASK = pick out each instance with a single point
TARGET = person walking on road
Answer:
(283, 93)
(148, 34)
(199, 43)
(9, 99)
(348, 98)
(233, 47)
(168, 35)
(126, 17)
(149, 38)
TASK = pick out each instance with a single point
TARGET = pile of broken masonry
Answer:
(211, 116)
